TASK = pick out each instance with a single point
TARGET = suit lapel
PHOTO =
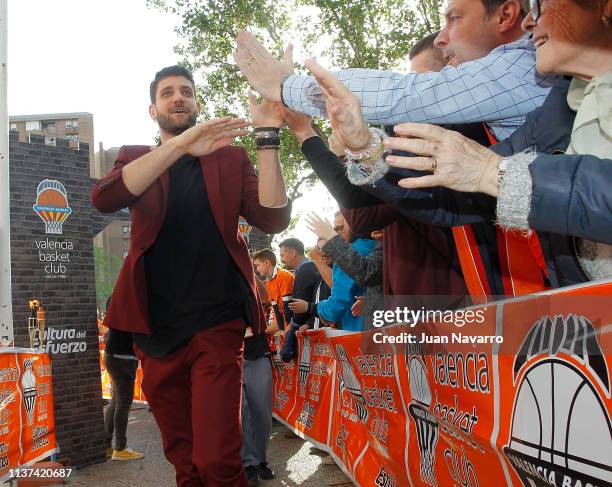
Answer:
(210, 170)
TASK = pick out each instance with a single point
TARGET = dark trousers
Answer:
(194, 394)
(122, 373)
(256, 410)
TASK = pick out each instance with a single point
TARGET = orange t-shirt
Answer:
(280, 287)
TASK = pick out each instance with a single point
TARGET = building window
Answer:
(126, 228)
(126, 244)
(33, 125)
(72, 124)
(47, 124)
(13, 126)
(73, 138)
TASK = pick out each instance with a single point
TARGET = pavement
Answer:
(295, 461)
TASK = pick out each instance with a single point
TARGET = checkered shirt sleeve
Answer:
(499, 89)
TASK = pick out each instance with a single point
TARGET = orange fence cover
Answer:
(532, 410)
(27, 427)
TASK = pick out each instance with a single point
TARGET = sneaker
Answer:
(252, 474)
(127, 454)
(265, 472)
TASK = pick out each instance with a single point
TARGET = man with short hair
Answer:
(307, 276)
(279, 284)
(185, 291)
(490, 76)
(424, 56)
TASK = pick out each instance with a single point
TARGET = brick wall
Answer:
(70, 302)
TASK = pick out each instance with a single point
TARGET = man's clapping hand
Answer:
(207, 137)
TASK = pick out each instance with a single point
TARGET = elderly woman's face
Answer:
(563, 32)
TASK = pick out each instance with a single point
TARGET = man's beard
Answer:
(169, 126)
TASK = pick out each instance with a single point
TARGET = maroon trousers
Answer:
(194, 394)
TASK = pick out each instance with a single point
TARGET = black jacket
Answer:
(307, 279)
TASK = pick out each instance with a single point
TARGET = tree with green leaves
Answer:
(347, 33)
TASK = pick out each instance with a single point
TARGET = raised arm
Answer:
(199, 140)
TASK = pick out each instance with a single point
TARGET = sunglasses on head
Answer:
(536, 9)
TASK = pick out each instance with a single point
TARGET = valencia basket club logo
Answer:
(561, 432)
(52, 205)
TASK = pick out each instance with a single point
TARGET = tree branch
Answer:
(295, 194)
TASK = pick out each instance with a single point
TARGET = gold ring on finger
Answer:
(434, 164)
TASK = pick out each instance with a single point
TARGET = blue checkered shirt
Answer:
(499, 89)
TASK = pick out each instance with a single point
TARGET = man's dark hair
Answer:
(265, 254)
(492, 5)
(168, 71)
(423, 45)
(293, 243)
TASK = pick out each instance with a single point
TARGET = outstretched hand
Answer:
(265, 74)
(320, 227)
(343, 108)
(298, 305)
(207, 137)
(266, 113)
(455, 161)
(299, 123)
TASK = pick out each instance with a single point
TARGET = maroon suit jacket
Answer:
(231, 185)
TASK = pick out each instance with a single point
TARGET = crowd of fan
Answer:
(491, 177)
(483, 173)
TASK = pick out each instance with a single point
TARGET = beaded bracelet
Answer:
(372, 152)
(268, 147)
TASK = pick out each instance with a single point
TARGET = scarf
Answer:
(592, 134)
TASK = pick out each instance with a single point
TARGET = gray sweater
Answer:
(367, 272)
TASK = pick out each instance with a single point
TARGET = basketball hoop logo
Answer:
(304, 366)
(52, 205)
(28, 386)
(561, 432)
(348, 380)
(426, 423)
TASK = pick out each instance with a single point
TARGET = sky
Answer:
(99, 56)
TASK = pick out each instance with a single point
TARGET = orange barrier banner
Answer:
(369, 424)
(519, 395)
(305, 387)
(27, 427)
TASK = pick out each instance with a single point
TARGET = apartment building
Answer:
(75, 127)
